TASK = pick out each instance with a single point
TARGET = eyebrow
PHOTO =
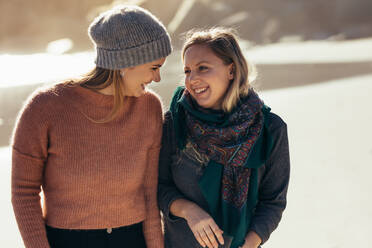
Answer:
(201, 62)
(157, 65)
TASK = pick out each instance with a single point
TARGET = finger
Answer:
(211, 237)
(198, 238)
(205, 238)
(218, 233)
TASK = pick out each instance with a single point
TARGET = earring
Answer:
(231, 75)
(122, 74)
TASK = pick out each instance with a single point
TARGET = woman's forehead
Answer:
(197, 54)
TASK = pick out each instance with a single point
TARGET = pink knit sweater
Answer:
(93, 176)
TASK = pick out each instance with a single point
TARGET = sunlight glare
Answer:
(43, 67)
(60, 46)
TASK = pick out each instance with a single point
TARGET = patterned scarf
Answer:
(226, 139)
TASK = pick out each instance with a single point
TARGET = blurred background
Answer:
(314, 61)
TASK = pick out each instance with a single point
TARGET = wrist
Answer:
(181, 208)
(252, 239)
(187, 208)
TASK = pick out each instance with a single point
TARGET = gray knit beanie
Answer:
(127, 36)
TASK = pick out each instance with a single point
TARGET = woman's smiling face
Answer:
(207, 78)
(136, 78)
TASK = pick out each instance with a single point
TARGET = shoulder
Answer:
(168, 120)
(152, 107)
(44, 103)
(153, 98)
(169, 135)
(168, 124)
(168, 116)
(42, 98)
(37, 112)
(274, 122)
(277, 129)
(153, 103)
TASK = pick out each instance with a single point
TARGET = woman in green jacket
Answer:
(224, 162)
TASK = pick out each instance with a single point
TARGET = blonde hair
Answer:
(223, 42)
(100, 78)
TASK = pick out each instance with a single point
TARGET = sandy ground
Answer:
(329, 122)
(329, 203)
(10, 237)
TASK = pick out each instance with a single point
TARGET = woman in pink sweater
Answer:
(92, 144)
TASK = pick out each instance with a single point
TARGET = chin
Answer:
(204, 105)
(141, 94)
(209, 106)
(138, 93)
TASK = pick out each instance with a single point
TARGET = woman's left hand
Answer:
(252, 240)
(246, 245)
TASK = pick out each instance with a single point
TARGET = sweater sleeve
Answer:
(152, 225)
(167, 190)
(29, 153)
(273, 187)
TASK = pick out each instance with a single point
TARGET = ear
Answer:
(231, 70)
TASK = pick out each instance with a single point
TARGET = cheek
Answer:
(147, 76)
(141, 76)
(188, 87)
(224, 86)
(187, 82)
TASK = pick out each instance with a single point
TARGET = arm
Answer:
(29, 153)
(200, 222)
(167, 190)
(273, 187)
(173, 203)
(252, 240)
(152, 225)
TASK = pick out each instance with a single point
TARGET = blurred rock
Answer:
(266, 21)
(31, 25)
(59, 46)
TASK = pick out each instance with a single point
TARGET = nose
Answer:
(157, 77)
(192, 78)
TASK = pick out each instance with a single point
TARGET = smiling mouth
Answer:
(200, 90)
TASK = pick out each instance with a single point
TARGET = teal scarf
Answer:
(229, 183)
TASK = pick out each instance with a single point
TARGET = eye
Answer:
(187, 71)
(203, 68)
(154, 68)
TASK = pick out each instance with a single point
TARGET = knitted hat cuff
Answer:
(118, 59)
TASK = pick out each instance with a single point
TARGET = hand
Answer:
(203, 226)
(246, 245)
(252, 240)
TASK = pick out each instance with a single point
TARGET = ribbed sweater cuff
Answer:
(152, 231)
